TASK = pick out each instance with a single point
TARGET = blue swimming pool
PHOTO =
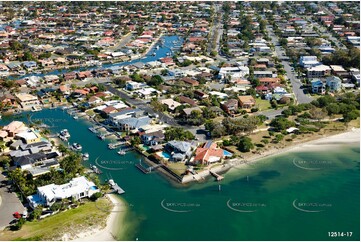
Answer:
(93, 188)
(227, 153)
(165, 155)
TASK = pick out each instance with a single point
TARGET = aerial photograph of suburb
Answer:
(180, 120)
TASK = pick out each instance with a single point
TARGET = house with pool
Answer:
(209, 153)
(77, 188)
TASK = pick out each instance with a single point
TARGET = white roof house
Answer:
(170, 103)
(77, 188)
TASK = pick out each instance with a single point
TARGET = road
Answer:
(9, 203)
(271, 114)
(142, 104)
(300, 96)
(125, 39)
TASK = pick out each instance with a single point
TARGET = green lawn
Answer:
(178, 167)
(71, 222)
(262, 104)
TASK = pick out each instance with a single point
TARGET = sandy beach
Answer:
(321, 143)
(115, 218)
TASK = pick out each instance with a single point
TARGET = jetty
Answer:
(217, 176)
(112, 146)
(116, 187)
(149, 169)
(96, 170)
(142, 168)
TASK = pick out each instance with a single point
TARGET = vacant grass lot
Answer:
(70, 222)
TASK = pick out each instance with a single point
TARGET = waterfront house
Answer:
(123, 114)
(26, 100)
(51, 79)
(209, 153)
(179, 150)
(77, 188)
(152, 138)
(8, 101)
(246, 101)
(69, 76)
(94, 100)
(82, 75)
(29, 65)
(133, 124)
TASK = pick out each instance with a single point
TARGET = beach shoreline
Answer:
(351, 136)
(112, 229)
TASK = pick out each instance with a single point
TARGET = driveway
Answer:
(9, 203)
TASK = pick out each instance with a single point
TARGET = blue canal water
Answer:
(170, 42)
(272, 199)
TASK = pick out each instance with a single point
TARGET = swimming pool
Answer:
(165, 155)
(227, 153)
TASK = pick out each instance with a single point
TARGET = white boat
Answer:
(85, 156)
(65, 133)
(35, 109)
(111, 182)
(121, 152)
(77, 146)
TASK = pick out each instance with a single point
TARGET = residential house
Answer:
(153, 138)
(8, 101)
(28, 136)
(187, 111)
(131, 85)
(333, 83)
(339, 71)
(133, 124)
(179, 150)
(9, 131)
(82, 75)
(260, 74)
(171, 104)
(209, 153)
(77, 188)
(246, 101)
(230, 106)
(318, 86)
(189, 81)
(318, 71)
(51, 79)
(200, 95)
(187, 100)
(267, 81)
(308, 61)
(26, 100)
